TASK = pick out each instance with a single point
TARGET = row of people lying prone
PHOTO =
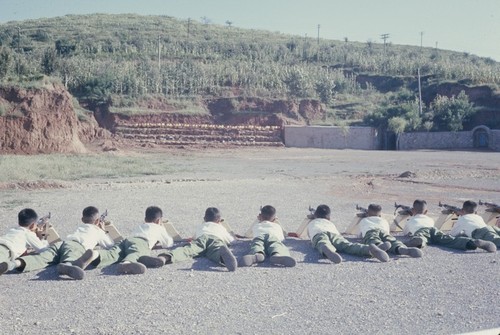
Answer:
(212, 240)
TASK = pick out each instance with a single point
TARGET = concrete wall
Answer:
(447, 139)
(495, 139)
(436, 140)
(364, 138)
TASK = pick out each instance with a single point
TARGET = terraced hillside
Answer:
(201, 134)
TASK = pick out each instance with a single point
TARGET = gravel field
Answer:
(445, 292)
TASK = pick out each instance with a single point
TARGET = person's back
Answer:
(210, 240)
(419, 219)
(18, 239)
(89, 235)
(267, 240)
(371, 222)
(268, 227)
(469, 221)
(417, 222)
(319, 225)
(211, 228)
(153, 233)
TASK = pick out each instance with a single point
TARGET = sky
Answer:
(471, 26)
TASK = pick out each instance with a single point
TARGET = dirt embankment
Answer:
(42, 120)
(224, 111)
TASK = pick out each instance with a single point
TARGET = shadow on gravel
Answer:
(49, 273)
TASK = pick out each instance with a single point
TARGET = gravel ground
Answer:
(445, 292)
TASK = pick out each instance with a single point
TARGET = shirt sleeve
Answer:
(34, 242)
(106, 241)
(457, 228)
(406, 229)
(165, 239)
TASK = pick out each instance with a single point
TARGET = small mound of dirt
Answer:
(407, 174)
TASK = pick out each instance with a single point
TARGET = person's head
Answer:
(153, 214)
(267, 213)
(27, 218)
(212, 214)
(90, 215)
(374, 210)
(469, 207)
(419, 207)
(322, 212)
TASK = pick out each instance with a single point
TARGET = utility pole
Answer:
(189, 26)
(159, 54)
(419, 93)
(18, 50)
(385, 37)
(421, 40)
(319, 26)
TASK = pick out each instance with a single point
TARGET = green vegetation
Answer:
(101, 57)
(400, 112)
(75, 167)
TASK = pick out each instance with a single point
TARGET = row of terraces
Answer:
(201, 134)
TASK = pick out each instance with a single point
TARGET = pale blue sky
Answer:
(461, 25)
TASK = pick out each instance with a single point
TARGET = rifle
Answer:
(449, 209)
(41, 222)
(46, 230)
(311, 213)
(405, 210)
(363, 212)
(103, 216)
(491, 207)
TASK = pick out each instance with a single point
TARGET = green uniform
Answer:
(378, 236)
(432, 235)
(205, 245)
(61, 252)
(268, 245)
(488, 233)
(340, 244)
(129, 250)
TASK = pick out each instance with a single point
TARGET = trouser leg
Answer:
(213, 250)
(258, 245)
(487, 234)
(70, 251)
(43, 259)
(110, 256)
(377, 236)
(135, 248)
(320, 240)
(194, 249)
(345, 246)
(275, 246)
(445, 240)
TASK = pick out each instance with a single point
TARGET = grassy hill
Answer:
(124, 58)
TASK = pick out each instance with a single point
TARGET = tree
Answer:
(229, 23)
(451, 113)
(397, 124)
(5, 62)
(49, 61)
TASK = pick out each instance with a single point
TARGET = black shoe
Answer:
(152, 262)
(131, 268)
(282, 260)
(228, 258)
(70, 270)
